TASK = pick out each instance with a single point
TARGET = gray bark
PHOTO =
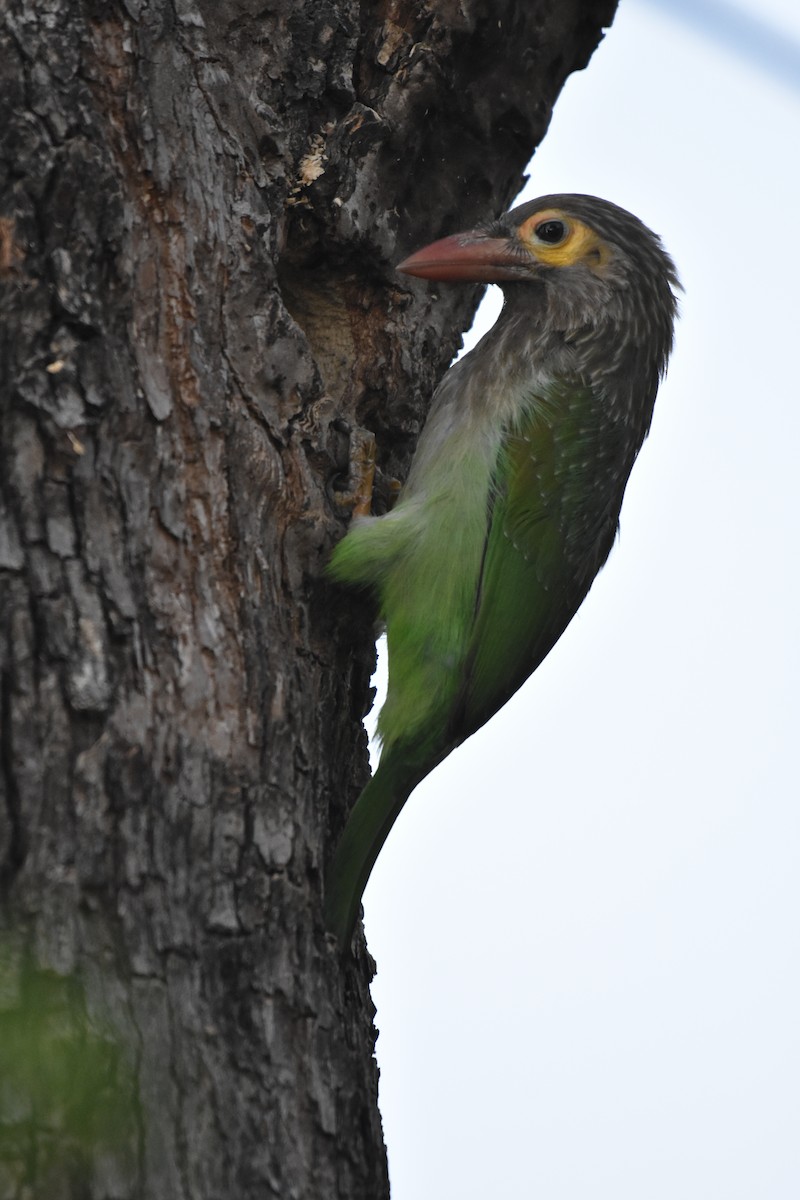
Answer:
(201, 206)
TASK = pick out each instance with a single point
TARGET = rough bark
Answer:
(202, 202)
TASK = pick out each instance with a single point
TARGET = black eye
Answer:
(551, 232)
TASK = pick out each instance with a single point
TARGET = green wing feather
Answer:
(557, 494)
(478, 578)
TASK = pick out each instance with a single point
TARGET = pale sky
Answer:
(586, 920)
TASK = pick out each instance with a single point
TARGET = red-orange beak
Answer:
(470, 257)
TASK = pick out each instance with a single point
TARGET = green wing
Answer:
(558, 488)
(474, 601)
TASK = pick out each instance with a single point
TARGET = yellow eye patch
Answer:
(579, 244)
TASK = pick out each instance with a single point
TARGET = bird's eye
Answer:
(551, 232)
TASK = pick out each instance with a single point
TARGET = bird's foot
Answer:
(388, 488)
(357, 496)
(368, 488)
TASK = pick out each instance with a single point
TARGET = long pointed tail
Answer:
(367, 828)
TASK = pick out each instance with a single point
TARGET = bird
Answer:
(512, 502)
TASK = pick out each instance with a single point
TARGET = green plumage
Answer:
(510, 510)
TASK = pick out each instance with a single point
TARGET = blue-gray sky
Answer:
(762, 43)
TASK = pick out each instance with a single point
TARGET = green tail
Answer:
(367, 828)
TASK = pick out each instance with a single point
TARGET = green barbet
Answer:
(512, 503)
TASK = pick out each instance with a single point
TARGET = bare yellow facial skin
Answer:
(581, 244)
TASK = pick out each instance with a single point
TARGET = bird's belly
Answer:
(428, 603)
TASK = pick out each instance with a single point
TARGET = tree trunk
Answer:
(202, 204)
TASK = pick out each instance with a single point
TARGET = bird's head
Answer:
(592, 265)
